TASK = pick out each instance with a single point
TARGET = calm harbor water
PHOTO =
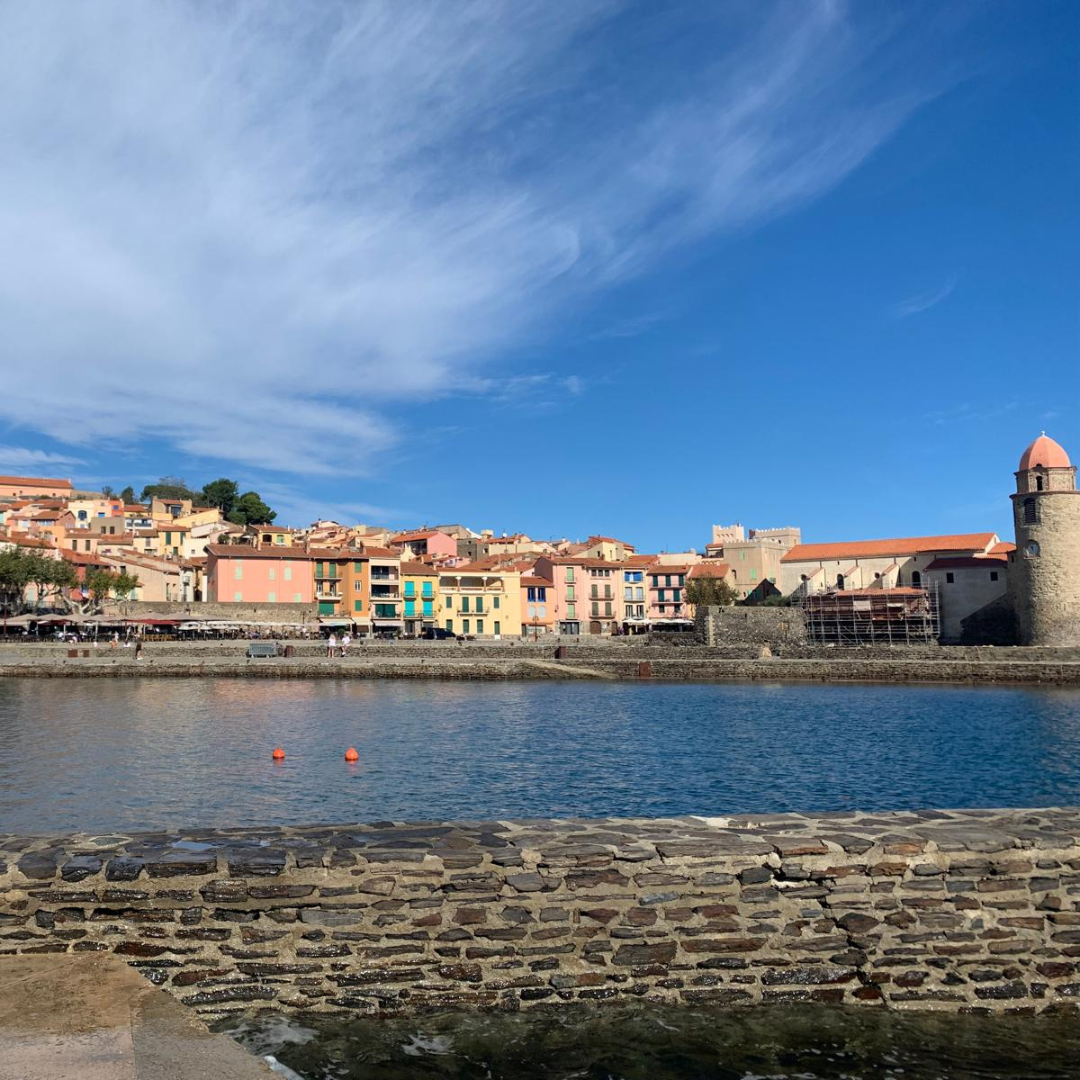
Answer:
(104, 754)
(649, 1042)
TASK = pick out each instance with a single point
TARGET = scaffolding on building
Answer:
(900, 616)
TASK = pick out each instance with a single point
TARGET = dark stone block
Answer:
(79, 867)
(262, 862)
(634, 955)
(38, 866)
(182, 864)
(856, 923)
(232, 993)
(123, 868)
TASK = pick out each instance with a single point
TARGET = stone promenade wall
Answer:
(225, 611)
(123, 664)
(950, 910)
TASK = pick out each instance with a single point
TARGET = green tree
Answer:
(221, 493)
(108, 491)
(710, 592)
(101, 584)
(48, 576)
(169, 487)
(127, 496)
(14, 577)
(251, 510)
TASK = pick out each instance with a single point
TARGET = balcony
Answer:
(385, 592)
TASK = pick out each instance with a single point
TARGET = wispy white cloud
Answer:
(21, 460)
(293, 507)
(923, 301)
(248, 231)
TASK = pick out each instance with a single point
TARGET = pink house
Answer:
(421, 542)
(587, 593)
(240, 574)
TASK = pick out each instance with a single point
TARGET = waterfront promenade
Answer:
(541, 660)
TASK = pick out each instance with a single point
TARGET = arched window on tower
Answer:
(840, 581)
(916, 579)
(1031, 513)
(1038, 483)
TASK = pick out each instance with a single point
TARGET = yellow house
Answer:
(420, 595)
(480, 602)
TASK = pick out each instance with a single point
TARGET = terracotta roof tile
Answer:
(869, 549)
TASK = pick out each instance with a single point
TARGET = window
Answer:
(479, 605)
(569, 573)
(410, 590)
(450, 625)
(318, 569)
(628, 593)
(358, 605)
(993, 575)
(410, 609)
(271, 598)
(676, 594)
(238, 571)
(661, 595)
(1038, 483)
(753, 575)
(639, 593)
(571, 611)
(237, 597)
(682, 577)
(357, 568)
(479, 626)
(607, 609)
(464, 603)
(1031, 513)
(296, 598)
(916, 579)
(428, 609)
(498, 629)
(596, 609)
(667, 579)
(464, 626)
(594, 592)
(495, 600)
(288, 571)
(950, 579)
(427, 591)
(570, 593)
(272, 574)
(449, 603)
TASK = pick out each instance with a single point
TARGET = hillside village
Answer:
(449, 579)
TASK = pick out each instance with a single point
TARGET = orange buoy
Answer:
(278, 754)
(351, 754)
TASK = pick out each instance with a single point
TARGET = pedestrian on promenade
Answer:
(331, 645)
(346, 641)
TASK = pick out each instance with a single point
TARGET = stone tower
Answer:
(1044, 571)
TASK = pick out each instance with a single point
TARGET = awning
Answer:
(335, 622)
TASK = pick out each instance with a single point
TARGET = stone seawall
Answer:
(523, 666)
(976, 909)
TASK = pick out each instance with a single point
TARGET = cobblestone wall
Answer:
(960, 909)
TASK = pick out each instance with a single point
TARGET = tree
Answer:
(169, 487)
(14, 577)
(221, 493)
(101, 584)
(251, 510)
(108, 491)
(710, 592)
(127, 496)
(48, 576)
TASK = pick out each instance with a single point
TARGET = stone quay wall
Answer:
(1038, 670)
(955, 910)
(750, 625)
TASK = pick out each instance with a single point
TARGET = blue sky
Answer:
(630, 268)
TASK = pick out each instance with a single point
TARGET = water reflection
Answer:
(652, 1042)
(102, 754)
